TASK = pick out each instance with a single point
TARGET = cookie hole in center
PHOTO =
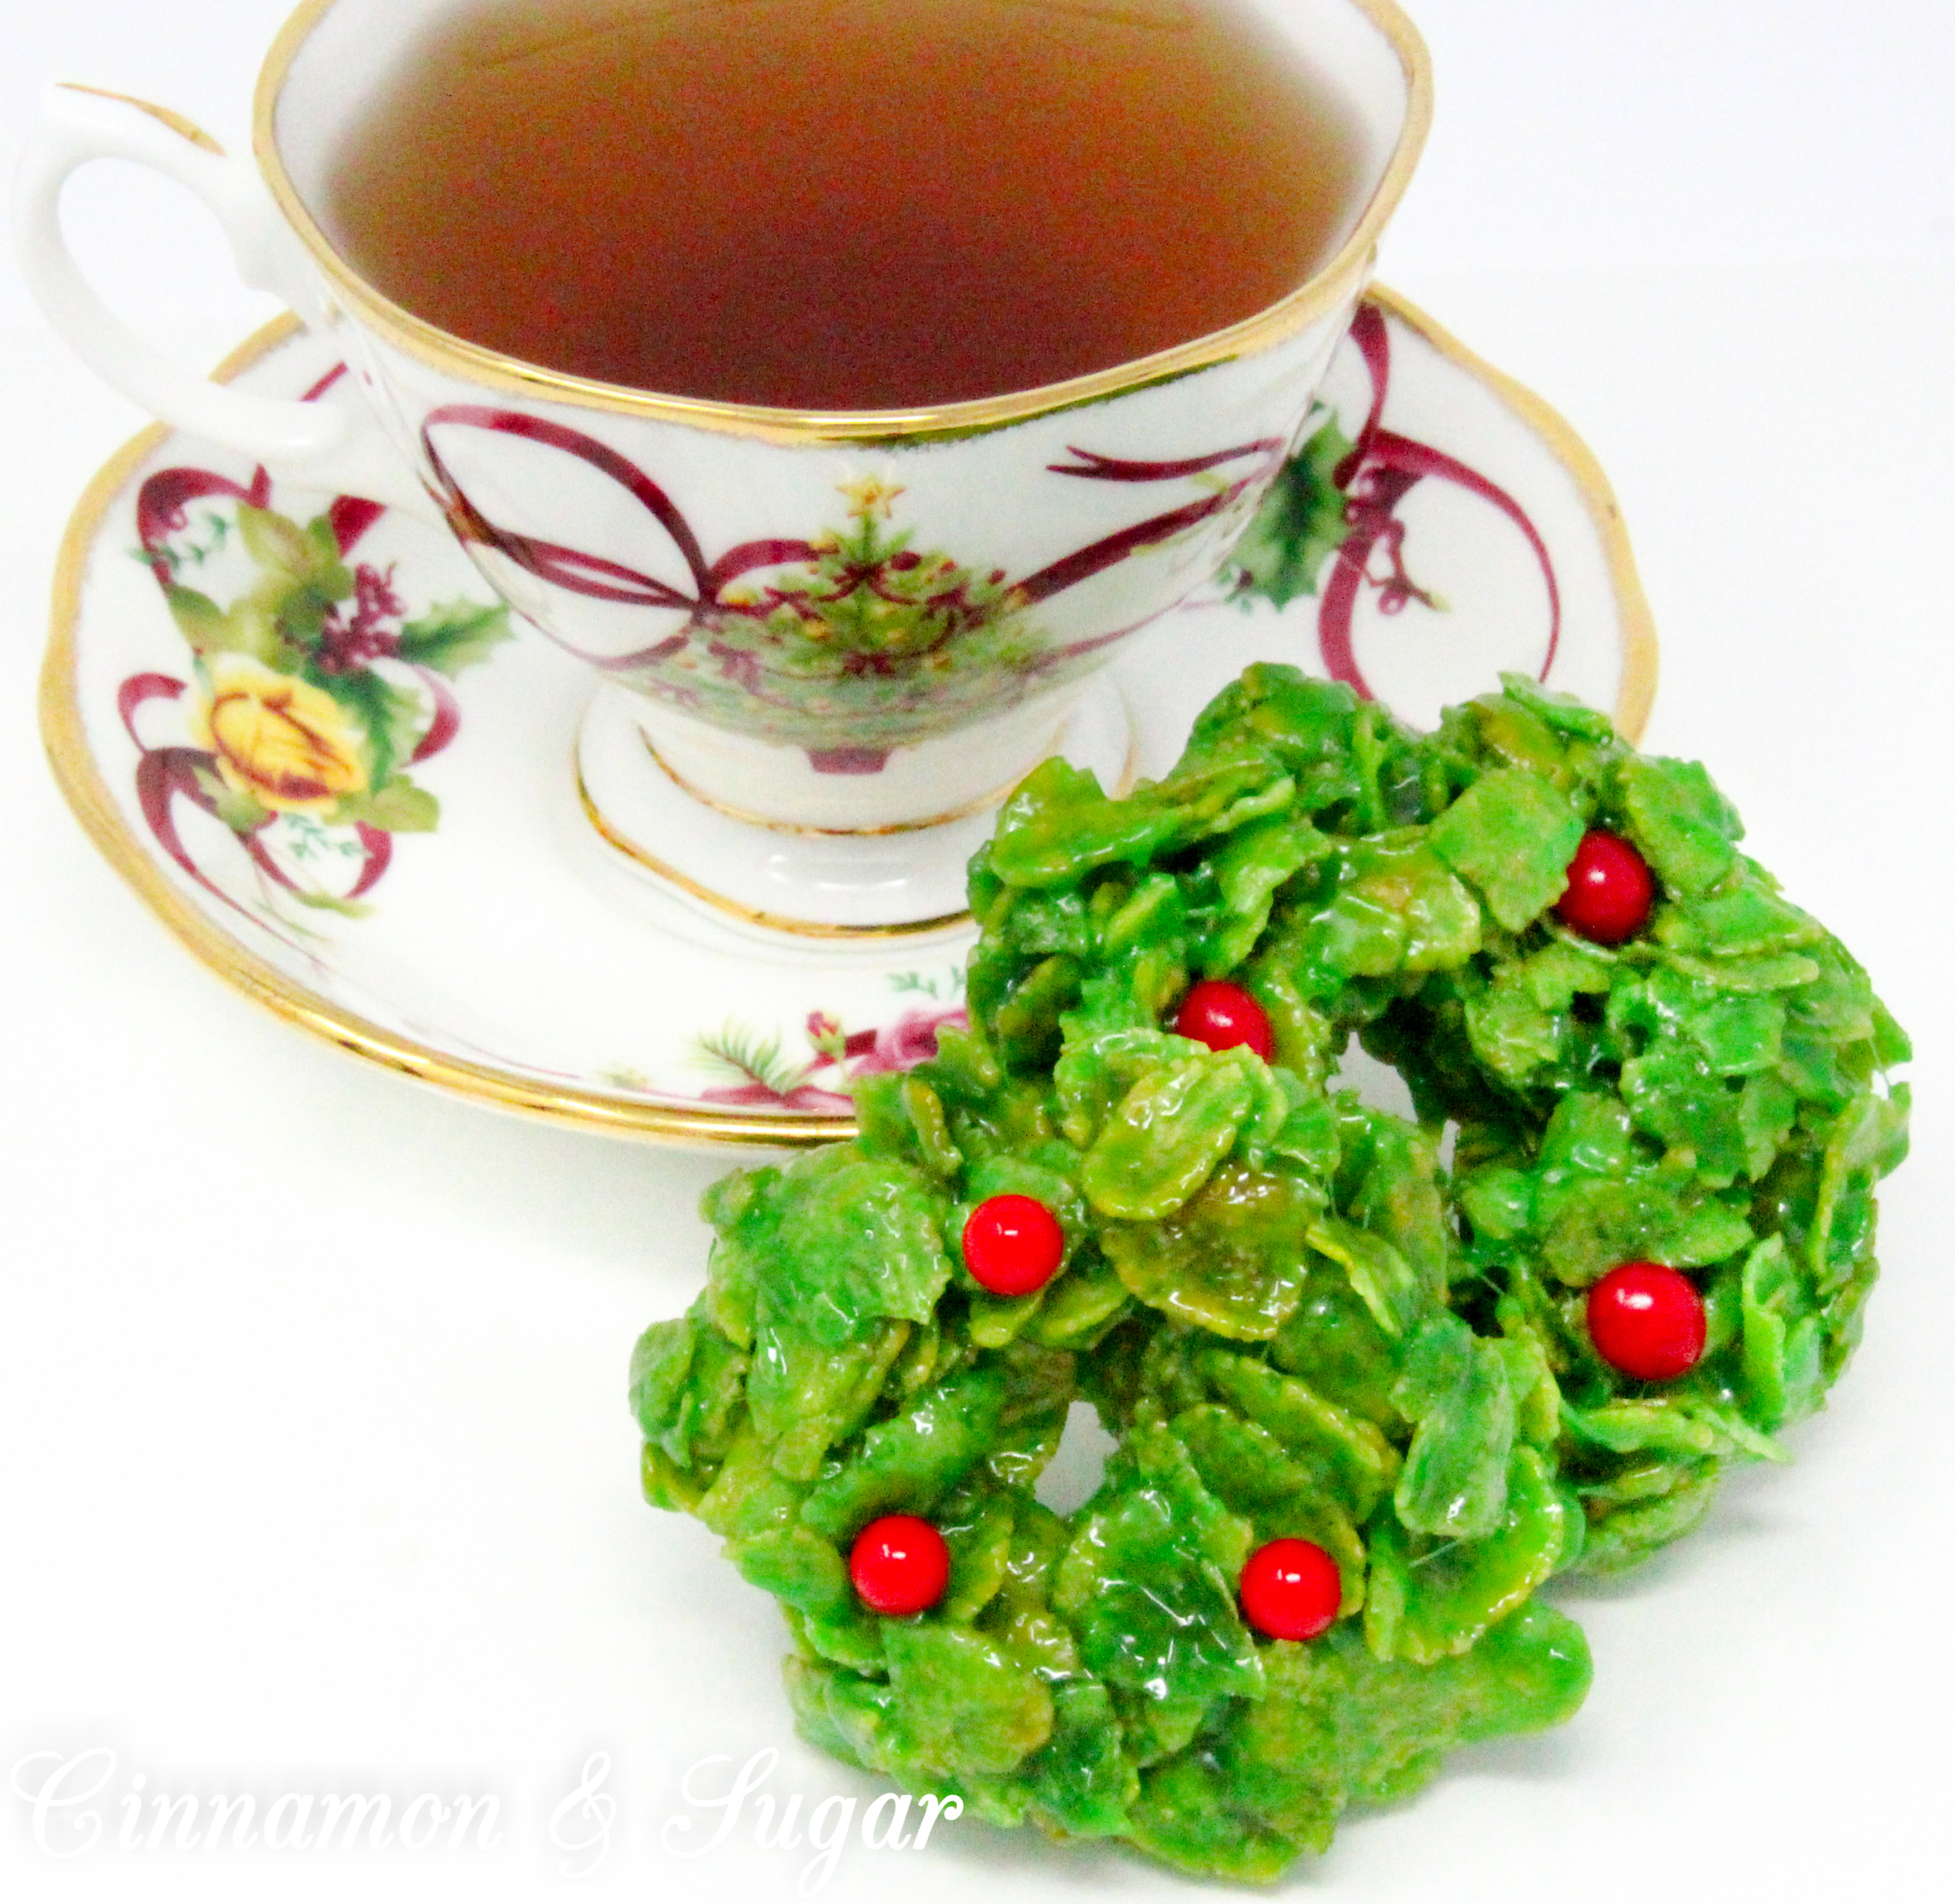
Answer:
(1382, 1088)
(1378, 1085)
(1073, 1475)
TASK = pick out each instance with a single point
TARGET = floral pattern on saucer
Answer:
(762, 1073)
(309, 696)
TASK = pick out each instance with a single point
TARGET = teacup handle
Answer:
(317, 444)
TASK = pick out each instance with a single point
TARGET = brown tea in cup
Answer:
(843, 204)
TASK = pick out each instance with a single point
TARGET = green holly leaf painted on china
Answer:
(308, 557)
(1300, 525)
(395, 718)
(454, 635)
(396, 807)
(327, 902)
(239, 811)
(249, 626)
(198, 619)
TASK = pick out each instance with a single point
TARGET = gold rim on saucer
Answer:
(65, 736)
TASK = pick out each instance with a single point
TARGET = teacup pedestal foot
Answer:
(795, 878)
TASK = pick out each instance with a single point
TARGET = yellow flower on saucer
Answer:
(289, 744)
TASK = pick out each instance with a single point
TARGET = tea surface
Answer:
(843, 204)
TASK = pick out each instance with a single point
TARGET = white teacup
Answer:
(675, 544)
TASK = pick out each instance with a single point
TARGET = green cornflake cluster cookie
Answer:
(1296, 1322)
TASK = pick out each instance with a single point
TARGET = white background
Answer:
(314, 1469)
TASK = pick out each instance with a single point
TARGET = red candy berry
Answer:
(1012, 1245)
(1646, 1320)
(899, 1564)
(1290, 1590)
(1222, 1016)
(1610, 890)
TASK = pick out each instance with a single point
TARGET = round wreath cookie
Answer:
(1364, 1405)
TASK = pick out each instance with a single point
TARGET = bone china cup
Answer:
(677, 544)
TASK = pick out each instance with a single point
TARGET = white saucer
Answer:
(513, 955)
